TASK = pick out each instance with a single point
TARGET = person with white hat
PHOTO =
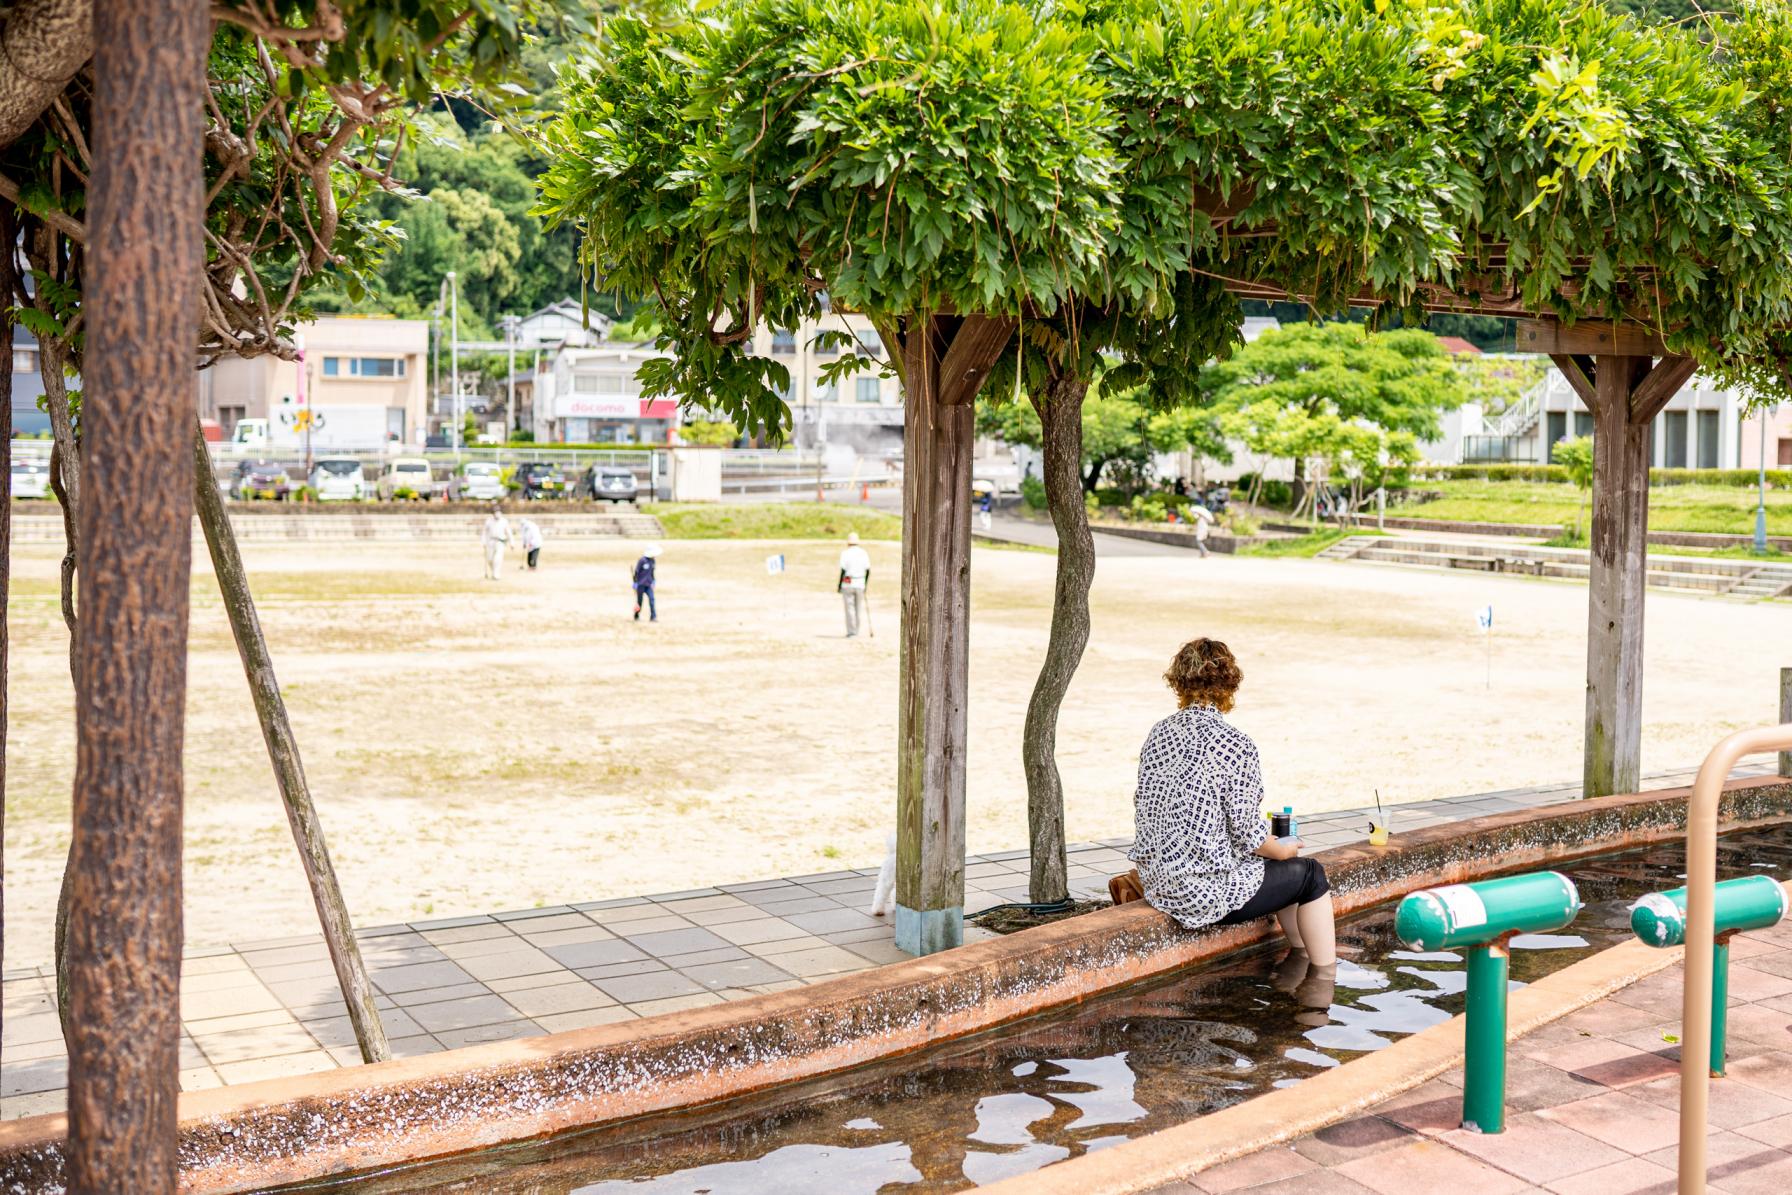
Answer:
(855, 574)
(496, 537)
(644, 580)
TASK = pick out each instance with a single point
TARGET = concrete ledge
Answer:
(1178, 1153)
(411, 1110)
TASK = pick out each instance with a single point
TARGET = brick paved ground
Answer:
(1592, 1108)
(261, 1009)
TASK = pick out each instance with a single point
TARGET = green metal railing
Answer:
(1484, 917)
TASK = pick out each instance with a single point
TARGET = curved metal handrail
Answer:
(1701, 878)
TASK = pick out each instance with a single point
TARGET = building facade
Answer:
(364, 380)
(591, 393)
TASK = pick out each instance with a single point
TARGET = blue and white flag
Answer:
(774, 564)
(1484, 617)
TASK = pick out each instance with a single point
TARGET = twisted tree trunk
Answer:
(1061, 423)
(8, 284)
(146, 205)
(283, 753)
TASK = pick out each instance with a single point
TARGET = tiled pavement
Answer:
(1592, 1107)
(259, 1010)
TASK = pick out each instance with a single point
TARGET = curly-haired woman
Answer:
(1202, 847)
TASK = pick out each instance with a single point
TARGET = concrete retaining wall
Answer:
(371, 1117)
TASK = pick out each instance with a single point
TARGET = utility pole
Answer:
(453, 290)
(304, 401)
(510, 323)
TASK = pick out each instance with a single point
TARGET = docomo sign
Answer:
(612, 406)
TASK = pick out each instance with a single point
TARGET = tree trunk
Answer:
(43, 44)
(283, 753)
(8, 296)
(146, 205)
(946, 360)
(1061, 427)
(1093, 478)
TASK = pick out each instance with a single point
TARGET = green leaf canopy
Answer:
(1124, 163)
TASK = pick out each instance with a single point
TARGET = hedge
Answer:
(1778, 478)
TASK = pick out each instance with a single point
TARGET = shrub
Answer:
(1092, 504)
(304, 493)
(403, 493)
(522, 436)
(1148, 508)
(1032, 492)
(1777, 478)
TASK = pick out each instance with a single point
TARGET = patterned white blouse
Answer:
(1198, 817)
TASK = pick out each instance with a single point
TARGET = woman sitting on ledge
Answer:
(1202, 845)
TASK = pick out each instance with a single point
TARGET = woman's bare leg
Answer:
(1318, 936)
(1291, 926)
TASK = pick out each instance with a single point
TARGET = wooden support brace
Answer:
(1658, 387)
(1578, 369)
(945, 359)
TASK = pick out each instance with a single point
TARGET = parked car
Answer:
(339, 479)
(538, 479)
(478, 481)
(261, 480)
(611, 483)
(408, 473)
(30, 479)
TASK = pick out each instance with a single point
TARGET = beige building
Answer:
(365, 382)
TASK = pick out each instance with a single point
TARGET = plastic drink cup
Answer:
(1378, 830)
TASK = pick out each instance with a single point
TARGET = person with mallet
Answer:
(855, 574)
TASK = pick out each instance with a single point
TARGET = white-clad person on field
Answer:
(530, 536)
(1203, 520)
(495, 537)
(855, 574)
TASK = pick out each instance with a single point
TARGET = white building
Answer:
(1699, 429)
(591, 392)
(585, 395)
(564, 322)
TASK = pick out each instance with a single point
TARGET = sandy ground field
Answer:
(481, 746)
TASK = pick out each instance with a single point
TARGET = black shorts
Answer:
(1286, 882)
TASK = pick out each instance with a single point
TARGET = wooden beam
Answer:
(976, 346)
(1575, 369)
(146, 221)
(935, 662)
(1658, 389)
(1593, 337)
(1618, 563)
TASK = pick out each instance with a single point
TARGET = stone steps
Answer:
(1673, 574)
(323, 528)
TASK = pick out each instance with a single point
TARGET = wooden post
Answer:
(945, 359)
(1627, 393)
(1785, 716)
(146, 206)
(283, 753)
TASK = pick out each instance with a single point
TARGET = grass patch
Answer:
(1310, 544)
(1722, 509)
(773, 520)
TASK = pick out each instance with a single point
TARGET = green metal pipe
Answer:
(1720, 1002)
(1484, 1063)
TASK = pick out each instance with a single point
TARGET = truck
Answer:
(333, 429)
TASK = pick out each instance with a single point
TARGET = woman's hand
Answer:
(1279, 848)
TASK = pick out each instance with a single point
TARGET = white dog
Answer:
(883, 900)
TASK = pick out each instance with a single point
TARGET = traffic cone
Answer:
(864, 491)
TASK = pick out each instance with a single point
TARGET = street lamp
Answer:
(453, 291)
